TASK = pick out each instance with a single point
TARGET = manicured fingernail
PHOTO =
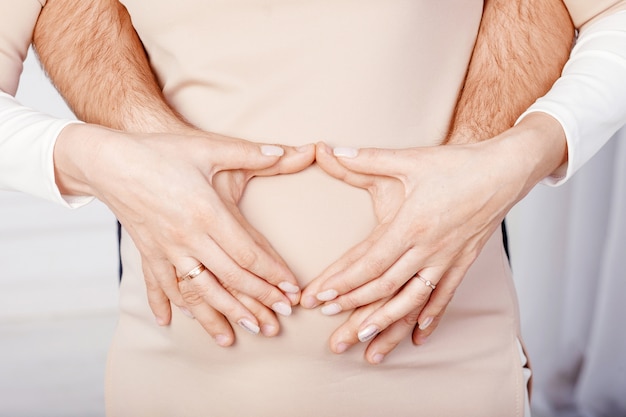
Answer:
(341, 347)
(281, 308)
(327, 295)
(288, 287)
(161, 321)
(222, 340)
(186, 312)
(331, 309)
(378, 358)
(424, 325)
(249, 326)
(345, 152)
(272, 150)
(268, 330)
(368, 333)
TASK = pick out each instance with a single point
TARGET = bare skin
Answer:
(480, 184)
(488, 105)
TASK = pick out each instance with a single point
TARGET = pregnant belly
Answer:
(310, 218)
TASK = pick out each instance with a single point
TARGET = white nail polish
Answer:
(288, 287)
(327, 295)
(331, 309)
(272, 150)
(249, 326)
(281, 308)
(368, 333)
(186, 312)
(345, 152)
(424, 325)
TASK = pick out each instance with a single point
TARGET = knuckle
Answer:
(267, 295)
(387, 286)
(230, 279)
(410, 320)
(375, 265)
(191, 296)
(386, 318)
(421, 297)
(349, 302)
(247, 258)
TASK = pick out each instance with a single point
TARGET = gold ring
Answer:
(425, 281)
(197, 270)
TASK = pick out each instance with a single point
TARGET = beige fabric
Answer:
(354, 73)
(17, 21)
(582, 11)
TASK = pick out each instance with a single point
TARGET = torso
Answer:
(383, 73)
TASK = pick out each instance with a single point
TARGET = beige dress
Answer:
(357, 73)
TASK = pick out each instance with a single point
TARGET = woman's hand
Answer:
(177, 195)
(436, 208)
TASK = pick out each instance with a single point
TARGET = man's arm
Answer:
(104, 56)
(519, 53)
(96, 60)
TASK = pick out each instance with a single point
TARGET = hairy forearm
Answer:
(71, 36)
(520, 51)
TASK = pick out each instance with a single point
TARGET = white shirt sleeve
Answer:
(27, 140)
(589, 100)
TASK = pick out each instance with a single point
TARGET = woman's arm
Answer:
(27, 137)
(589, 100)
(87, 159)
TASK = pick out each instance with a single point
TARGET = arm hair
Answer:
(123, 92)
(520, 51)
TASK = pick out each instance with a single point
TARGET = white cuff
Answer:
(27, 140)
(589, 100)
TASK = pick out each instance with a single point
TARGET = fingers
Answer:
(346, 335)
(421, 336)
(158, 301)
(387, 284)
(204, 289)
(293, 160)
(235, 154)
(433, 311)
(268, 322)
(390, 338)
(332, 166)
(213, 322)
(309, 295)
(232, 277)
(386, 250)
(373, 161)
(410, 299)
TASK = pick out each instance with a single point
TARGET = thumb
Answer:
(293, 160)
(373, 161)
(241, 154)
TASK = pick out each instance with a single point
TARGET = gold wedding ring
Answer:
(197, 270)
(425, 281)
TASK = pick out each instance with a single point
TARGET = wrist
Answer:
(533, 149)
(76, 154)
